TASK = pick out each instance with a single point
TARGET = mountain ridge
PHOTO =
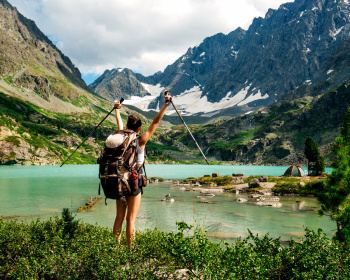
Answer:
(249, 69)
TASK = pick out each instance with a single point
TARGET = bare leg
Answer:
(118, 223)
(133, 209)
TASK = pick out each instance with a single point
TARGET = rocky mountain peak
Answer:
(118, 83)
(247, 69)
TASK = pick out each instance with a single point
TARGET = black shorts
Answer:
(132, 193)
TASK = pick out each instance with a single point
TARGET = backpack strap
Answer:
(131, 138)
(144, 169)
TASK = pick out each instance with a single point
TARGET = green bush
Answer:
(316, 186)
(310, 188)
(220, 181)
(13, 139)
(40, 128)
(286, 188)
(47, 250)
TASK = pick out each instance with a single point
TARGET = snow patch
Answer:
(338, 31)
(195, 62)
(301, 14)
(253, 97)
(191, 101)
(202, 54)
(143, 102)
(308, 50)
(329, 71)
(184, 58)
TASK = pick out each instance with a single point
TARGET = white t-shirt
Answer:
(140, 154)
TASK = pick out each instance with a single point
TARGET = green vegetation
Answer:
(220, 181)
(62, 248)
(40, 128)
(335, 197)
(13, 139)
(310, 188)
(316, 162)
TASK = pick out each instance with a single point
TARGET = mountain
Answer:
(117, 83)
(274, 135)
(46, 110)
(296, 45)
(30, 58)
(45, 107)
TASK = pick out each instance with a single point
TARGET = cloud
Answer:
(144, 36)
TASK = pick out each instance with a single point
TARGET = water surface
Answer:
(29, 192)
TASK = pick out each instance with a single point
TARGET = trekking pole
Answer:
(171, 100)
(121, 101)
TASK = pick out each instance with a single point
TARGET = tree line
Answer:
(335, 194)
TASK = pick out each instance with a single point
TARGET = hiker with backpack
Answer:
(128, 204)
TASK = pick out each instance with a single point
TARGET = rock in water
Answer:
(168, 198)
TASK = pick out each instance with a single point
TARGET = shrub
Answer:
(286, 188)
(42, 250)
(315, 186)
(220, 181)
(13, 139)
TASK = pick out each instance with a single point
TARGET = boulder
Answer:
(237, 175)
(241, 200)
(236, 181)
(269, 203)
(269, 198)
(216, 175)
(254, 183)
(168, 198)
(207, 194)
(263, 179)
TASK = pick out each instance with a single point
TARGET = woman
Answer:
(134, 198)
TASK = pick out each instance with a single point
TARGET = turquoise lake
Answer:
(31, 192)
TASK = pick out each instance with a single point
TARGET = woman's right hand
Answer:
(117, 105)
(167, 97)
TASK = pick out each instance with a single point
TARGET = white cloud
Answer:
(144, 36)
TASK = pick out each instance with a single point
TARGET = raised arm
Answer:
(152, 128)
(117, 105)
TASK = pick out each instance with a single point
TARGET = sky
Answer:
(142, 35)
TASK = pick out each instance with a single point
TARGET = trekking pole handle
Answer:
(121, 101)
(170, 100)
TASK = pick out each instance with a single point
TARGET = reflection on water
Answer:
(43, 191)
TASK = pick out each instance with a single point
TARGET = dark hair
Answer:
(133, 123)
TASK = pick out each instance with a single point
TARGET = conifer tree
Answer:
(345, 130)
(335, 198)
(311, 149)
(312, 154)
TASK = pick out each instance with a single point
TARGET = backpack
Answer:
(118, 172)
